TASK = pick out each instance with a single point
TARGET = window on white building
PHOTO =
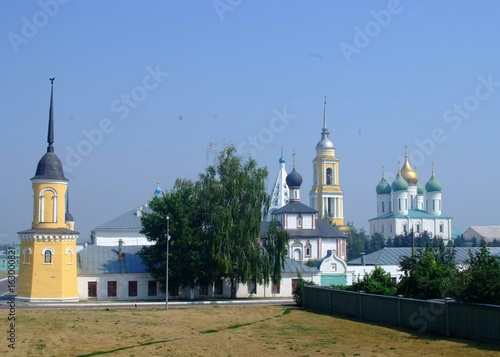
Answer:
(92, 289)
(299, 221)
(308, 250)
(152, 288)
(112, 288)
(132, 288)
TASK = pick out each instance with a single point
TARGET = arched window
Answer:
(328, 176)
(299, 221)
(47, 255)
(26, 253)
(47, 210)
(308, 250)
(69, 253)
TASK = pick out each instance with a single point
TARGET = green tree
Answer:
(186, 263)
(460, 241)
(356, 242)
(430, 274)
(376, 242)
(377, 282)
(233, 193)
(481, 278)
(494, 243)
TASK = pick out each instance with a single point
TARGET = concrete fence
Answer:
(471, 321)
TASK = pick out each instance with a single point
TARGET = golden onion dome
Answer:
(408, 173)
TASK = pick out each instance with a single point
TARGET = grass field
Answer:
(218, 331)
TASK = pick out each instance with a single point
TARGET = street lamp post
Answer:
(166, 272)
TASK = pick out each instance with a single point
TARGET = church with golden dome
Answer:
(407, 206)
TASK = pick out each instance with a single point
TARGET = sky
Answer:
(149, 91)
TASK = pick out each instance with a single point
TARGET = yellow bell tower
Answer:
(326, 196)
(48, 265)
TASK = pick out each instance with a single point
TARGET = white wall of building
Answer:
(122, 287)
(242, 291)
(110, 238)
(355, 271)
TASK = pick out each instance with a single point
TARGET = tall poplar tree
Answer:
(233, 194)
(273, 253)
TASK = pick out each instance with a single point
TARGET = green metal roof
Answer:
(412, 213)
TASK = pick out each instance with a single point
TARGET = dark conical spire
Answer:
(68, 217)
(49, 166)
(50, 134)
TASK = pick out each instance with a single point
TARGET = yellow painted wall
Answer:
(49, 200)
(57, 280)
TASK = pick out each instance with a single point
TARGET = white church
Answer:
(407, 206)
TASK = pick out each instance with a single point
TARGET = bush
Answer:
(377, 282)
(298, 293)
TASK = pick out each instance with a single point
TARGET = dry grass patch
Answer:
(219, 331)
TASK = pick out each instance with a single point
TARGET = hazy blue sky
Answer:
(143, 88)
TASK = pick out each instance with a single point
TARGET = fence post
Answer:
(330, 300)
(303, 297)
(447, 309)
(399, 309)
(360, 305)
